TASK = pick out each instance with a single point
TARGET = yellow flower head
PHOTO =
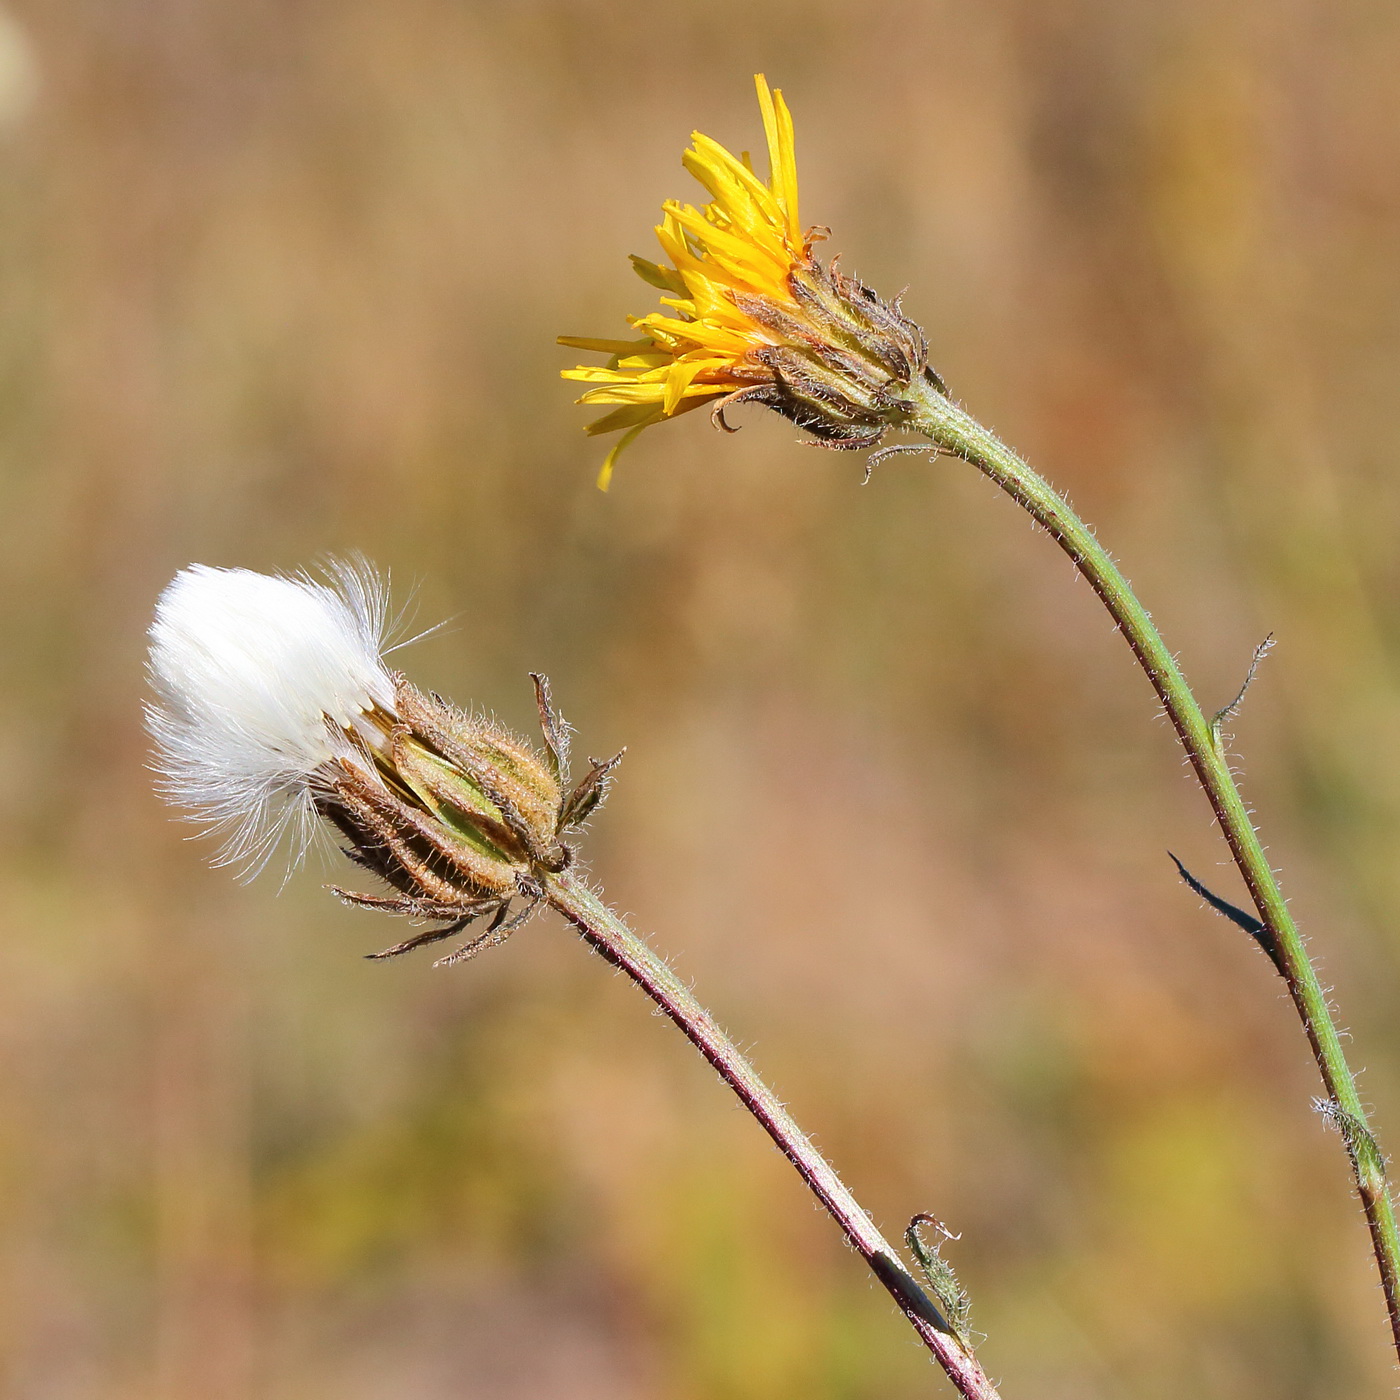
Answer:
(752, 315)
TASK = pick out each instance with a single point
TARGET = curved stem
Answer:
(947, 425)
(609, 936)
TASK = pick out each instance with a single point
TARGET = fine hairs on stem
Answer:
(934, 415)
(273, 697)
(753, 315)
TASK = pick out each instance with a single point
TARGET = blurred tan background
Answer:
(283, 278)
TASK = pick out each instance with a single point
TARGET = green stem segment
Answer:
(609, 936)
(955, 431)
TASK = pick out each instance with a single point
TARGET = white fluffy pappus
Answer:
(258, 679)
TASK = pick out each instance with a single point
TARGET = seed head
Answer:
(274, 707)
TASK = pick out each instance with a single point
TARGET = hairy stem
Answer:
(609, 936)
(947, 425)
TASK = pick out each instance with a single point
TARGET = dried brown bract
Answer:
(459, 817)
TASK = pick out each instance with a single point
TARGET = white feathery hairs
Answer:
(261, 680)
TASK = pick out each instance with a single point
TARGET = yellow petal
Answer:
(630, 393)
(681, 377)
(606, 347)
(738, 190)
(610, 461)
(664, 278)
(782, 154)
(628, 416)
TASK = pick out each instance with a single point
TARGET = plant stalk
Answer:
(947, 425)
(609, 936)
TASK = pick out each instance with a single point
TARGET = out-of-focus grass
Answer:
(284, 278)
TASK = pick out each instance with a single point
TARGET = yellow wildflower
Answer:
(752, 314)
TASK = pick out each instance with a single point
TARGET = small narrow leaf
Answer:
(1362, 1147)
(939, 1272)
(1233, 708)
(1258, 931)
(902, 1284)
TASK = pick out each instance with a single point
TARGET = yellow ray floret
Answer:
(745, 243)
